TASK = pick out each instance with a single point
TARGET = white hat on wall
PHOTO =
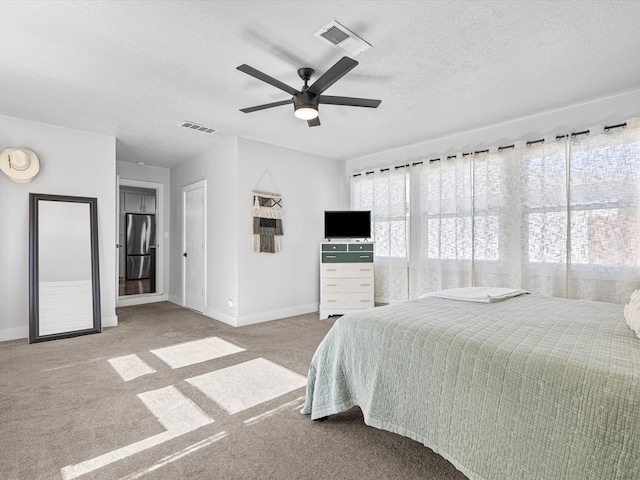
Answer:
(19, 164)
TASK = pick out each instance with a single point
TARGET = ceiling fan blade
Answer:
(331, 76)
(349, 101)
(314, 122)
(266, 105)
(267, 79)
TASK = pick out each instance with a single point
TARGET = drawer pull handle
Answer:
(331, 269)
(332, 284)
(365, 256)
(329, 301)
(331, 256)
(365, 270)
(365, 301)
(365, 284)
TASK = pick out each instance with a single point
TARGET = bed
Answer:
(526, 388)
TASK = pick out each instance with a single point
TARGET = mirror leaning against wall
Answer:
(64, 280)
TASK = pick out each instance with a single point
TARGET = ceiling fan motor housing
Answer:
(305, 105)
(305, 99)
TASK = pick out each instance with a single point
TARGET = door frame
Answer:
(159, 295)
(187, 188)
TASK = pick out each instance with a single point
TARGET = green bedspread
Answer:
(528, 388)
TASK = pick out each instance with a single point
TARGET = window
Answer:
(559, 218)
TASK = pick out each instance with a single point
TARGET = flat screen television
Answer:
(347, 224)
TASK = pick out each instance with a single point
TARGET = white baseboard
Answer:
(262, 316)
(221, 316)
(177, 299)
(14, 333)
(141, 299)
(17, 333)
(110, 321)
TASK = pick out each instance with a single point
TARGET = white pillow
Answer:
(476, 294)
(632, 312)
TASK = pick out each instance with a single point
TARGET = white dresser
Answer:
(346, 277)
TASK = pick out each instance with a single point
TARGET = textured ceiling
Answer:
(135, 70)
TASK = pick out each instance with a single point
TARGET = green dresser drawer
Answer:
(361, 247)
(334, 247)
(347, 257)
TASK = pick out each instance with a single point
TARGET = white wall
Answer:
(218, 166)
(261, 286)
(72, 163)
(287, 283)
(611, 110)
(146, 173)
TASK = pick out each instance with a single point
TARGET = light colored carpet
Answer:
(170, 394)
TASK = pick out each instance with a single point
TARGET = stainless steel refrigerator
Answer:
(140, 245)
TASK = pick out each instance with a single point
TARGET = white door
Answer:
(194, 246)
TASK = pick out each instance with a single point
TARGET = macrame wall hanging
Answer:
(267, 219)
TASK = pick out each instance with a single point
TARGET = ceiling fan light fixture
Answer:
(306, 112)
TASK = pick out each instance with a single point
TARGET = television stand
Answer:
(346, 277)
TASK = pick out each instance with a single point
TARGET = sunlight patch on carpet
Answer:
(177, 456)
(247, 384)
(174, 411)
(190, 353)
(271, 413)
(130, 367)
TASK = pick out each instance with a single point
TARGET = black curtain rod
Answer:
(573, 134)
(513, 145)
(500, 149)
(620, 125)
(584, 132)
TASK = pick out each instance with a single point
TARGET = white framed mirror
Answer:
(64, 279)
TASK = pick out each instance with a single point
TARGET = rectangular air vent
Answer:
(343, 38)
(199, 128)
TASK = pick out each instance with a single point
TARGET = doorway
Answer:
(194, 241)
(140, 257)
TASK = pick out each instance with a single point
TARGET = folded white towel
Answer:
(477, 294)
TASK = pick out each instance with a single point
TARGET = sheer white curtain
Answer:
(385, 194)
(496, 219)
(465, 222)
(604, 258)
(441, 220)
(580, 214)
(558, 218)
(542, 180)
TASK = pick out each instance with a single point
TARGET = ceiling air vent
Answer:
(197, 127)
(343, 38)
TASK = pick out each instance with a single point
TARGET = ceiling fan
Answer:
(306, 100)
